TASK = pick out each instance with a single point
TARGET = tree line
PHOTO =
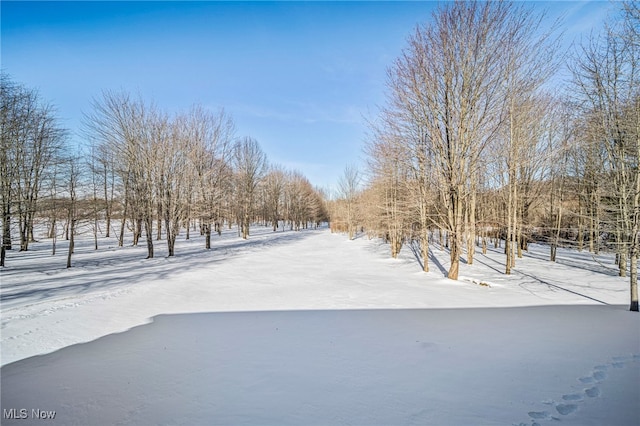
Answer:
(159, 175)
(479, 142)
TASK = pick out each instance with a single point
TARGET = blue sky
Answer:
(299, 77)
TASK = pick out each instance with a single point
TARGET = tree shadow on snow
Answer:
(417, 253)
(111, 270)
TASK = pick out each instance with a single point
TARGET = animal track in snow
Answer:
(570, 401)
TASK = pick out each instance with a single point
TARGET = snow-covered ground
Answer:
(310, 328)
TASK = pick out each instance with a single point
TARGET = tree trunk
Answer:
(148, 226)
(455, 259)
(508, 246)
(159, 233)
(424, 245)
(6, 235)
(137, 231)
(54, 240)
(455, 235)
(108, 205)
(71, 243)
(580, 223)
(622, 263)
(509, 252)
(123, 223)
(30, 229)
(170, 234)
(634, 280)
(66, 229)
(556, 239)
(471, 223)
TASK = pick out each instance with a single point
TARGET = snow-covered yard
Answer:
(310, 328)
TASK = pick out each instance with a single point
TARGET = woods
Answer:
(478, 139)
(155, 173)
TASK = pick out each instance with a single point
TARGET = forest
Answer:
(480, 141)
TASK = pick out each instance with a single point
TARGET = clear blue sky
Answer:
(297, 76)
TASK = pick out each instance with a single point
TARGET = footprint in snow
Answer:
(599, 375)
(593, 392)
(540, 415)
(566, 409)
(572, 397)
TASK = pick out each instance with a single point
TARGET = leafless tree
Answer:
(389, 189)
(274, 186)
(31, 143)
(349, 189)
(212, 135)
(171, 145)
(72, 185)
(124, 125)
(250, 166)
(607, 77)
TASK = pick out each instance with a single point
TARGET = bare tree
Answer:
(349, 188)
(448, 99)
(448, 81)
(274, 186)
(171, 145)
(71, 187)
(388, 164)
(607, 77)
(212, 135)
(124, 126)
(303, 204)
(250, 166)
(31, 141)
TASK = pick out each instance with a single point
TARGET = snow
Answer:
(310, 328)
